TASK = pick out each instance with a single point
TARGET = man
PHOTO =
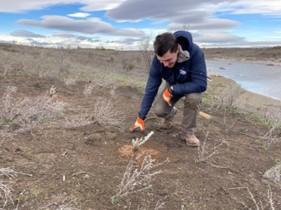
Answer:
(181, 64)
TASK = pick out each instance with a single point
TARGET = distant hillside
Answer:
(254, 54)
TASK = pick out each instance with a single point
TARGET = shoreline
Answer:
(244, 89)
(229, 91)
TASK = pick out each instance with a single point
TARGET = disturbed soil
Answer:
(78, 159)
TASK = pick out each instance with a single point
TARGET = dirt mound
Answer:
(127, 152)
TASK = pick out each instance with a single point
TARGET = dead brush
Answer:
(270, 137)
(75, 121)
(28, 112)
(70, 81)
(259, 204)
(146, 51)
(136, 178)
(105, 114)
(203, 154)
(88, 89)
(5, 188)
(226, 98)
(5, 193)
(61, 203)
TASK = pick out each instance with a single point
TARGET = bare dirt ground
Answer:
(72, 150)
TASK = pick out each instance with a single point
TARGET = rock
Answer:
(274, 174)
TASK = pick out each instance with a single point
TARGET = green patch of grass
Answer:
(6, 121)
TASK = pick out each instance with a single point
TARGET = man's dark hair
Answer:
(165, 42)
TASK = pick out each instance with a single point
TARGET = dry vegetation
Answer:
(269, 55)
(64, 119)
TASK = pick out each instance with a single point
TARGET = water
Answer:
(259, 78)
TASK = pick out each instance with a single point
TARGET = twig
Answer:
(258, 207)
(270, 200)
(201, 150)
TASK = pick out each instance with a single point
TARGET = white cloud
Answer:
(27, 5)
(86, 26)
(100, 4)
(188, 14)
(71, 36)
(163, 9)
(11, 39)
(79, 15)
(204, 39)
(25, 33)
(268, 7)
(214, 36)
(205, 24)
(15, 6)
(137, 9)
(72, 41)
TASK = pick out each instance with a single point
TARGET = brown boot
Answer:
(192, 140)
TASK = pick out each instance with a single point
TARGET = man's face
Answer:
(169, 59)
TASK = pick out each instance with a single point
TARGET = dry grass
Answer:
(61, 202)
(270, 136)
(5, 188)
(70, 81)
(146, 52)
(259, 204)
(28, 112)
(106, 114)
(203, 153)
(75, 121)
(226, 98)
(88, 89)
(5, 193)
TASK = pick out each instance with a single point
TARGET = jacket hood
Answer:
(184, 38)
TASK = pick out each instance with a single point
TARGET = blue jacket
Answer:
(187, 77)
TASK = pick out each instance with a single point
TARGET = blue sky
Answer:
(126, 24)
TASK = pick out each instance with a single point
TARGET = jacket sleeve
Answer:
(152, 86)
(198, 81)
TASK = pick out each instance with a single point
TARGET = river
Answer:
(259, 78)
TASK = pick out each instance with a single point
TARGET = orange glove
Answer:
(138, 124)
(167, 96)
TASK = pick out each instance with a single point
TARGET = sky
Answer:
(133, 24)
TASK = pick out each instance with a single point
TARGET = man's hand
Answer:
(139, 124)
(167, 96)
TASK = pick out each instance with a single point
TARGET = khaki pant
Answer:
(191, 108)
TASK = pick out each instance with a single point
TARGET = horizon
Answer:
(134, 50)
(132, 25)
